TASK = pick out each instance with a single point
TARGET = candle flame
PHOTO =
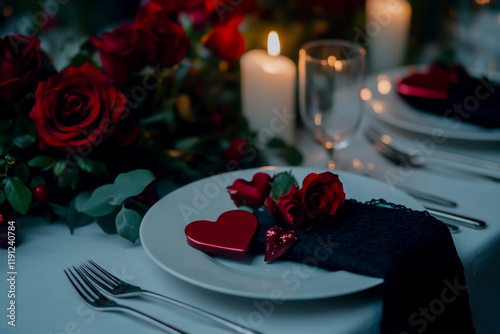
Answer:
(273, 44)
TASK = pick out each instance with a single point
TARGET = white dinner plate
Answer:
(392, 110)
(163, 238)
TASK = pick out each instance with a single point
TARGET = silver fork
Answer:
(119, 288)
(100, 302)
(412, 158)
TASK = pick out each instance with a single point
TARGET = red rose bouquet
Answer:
(294, 207)
(154, 97)
(319, 196)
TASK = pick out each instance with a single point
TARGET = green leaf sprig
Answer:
(113, 206)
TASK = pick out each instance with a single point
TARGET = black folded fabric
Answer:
(424, 283)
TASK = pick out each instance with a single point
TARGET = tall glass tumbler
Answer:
(331, 76)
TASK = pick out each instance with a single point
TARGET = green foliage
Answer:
(18, 195)
(86, 54)
(43, 162)
(24, 141)
(127, 224)
(282, 184)
(2, 197)
(107, 204)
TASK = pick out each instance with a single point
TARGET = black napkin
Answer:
(470, 100)
(424, 283)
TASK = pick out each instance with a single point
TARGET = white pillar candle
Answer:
(268, 92)
(387, 30)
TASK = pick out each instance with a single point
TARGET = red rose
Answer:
(226, 41)
(321, 194)
(120, 53)
(164, 40)
(291, 208)
(20, 65)
(77, 109)
(253, 193)
(270, 205)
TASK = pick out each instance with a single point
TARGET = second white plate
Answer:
(390, 109)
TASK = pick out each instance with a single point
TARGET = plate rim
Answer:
(374, 281)
(406, 125)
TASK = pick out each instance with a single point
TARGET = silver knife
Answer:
(463, 220)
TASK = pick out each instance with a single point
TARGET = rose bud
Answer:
(119, 53)
(251, 193)
(290, 207)
(226, 41)
(20, 65)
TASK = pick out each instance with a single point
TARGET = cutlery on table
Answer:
(463, 220)
(446, 155)
(119, 288)
(101, 303)
(399, 155)
(452, 228)
(424, 196)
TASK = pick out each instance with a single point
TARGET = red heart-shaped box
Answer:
(229, 236)
(433, 84)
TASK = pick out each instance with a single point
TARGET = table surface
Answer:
(47, 303)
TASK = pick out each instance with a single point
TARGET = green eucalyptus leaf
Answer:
(85, 164)
(24, 141)
(81, 199)
(41, 162)
(60, 210)
(108, 222)
(127, 224)
(131, 184)
(105, 198)
(98, 203)
(281, 184)
(2, 197)
(59, 167)
(76, 219)
(18, 195)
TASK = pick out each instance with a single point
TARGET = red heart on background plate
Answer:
(434, 84)
(229, 236)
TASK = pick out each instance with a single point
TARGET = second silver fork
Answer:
(119, 288)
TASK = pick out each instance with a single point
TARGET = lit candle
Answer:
(387, 27)
(268, 92)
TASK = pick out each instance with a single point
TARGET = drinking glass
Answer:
(331, 76)
(477, 32)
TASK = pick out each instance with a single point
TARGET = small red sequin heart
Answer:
(278, 242)
(229, 236)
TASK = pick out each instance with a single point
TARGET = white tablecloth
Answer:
(47, 304)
